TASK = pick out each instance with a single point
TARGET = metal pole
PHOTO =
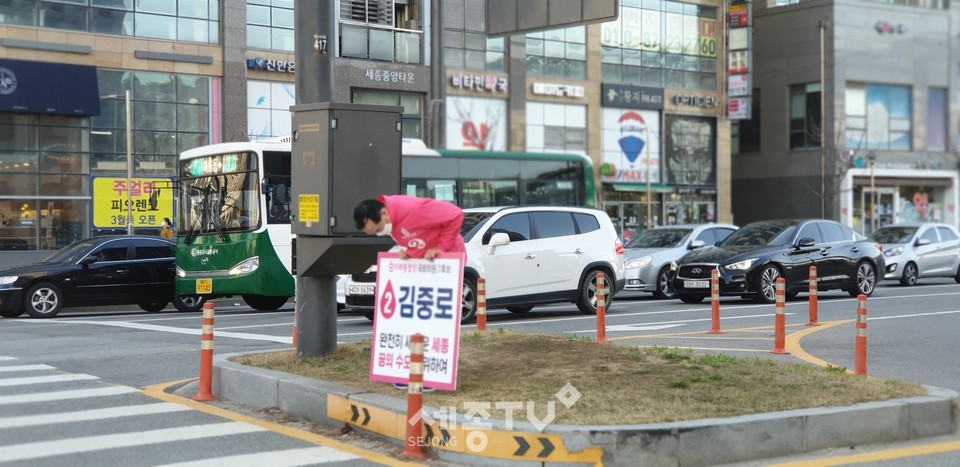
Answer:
(129, 168)
(823, 123)
(873, 196)
(649, 195)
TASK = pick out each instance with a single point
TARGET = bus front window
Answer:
(219, 195)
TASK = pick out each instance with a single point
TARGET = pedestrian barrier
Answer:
(860, 348)
(780, 325)
(206, 355)
(813, 297)
(415, 400)
(481, 304)
(715, 303)
(601, 309)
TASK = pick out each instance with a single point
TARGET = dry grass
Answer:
(619, 384)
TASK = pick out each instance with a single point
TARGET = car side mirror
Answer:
(498, 239)
(696, 244)
(89, 259)
(806, 242)
(922, 242)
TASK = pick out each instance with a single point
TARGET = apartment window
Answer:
(268, 108)
(270, 24)
(465, 45)
(412, 103)
(805, 116)
(556, 127)
(878, 116)
(937, 119)
(558, 53)
(745, 134)
(381, 30)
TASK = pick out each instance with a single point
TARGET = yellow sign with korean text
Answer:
(151, 200)
(309, 208)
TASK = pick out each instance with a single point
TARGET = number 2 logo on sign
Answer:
(388, 301)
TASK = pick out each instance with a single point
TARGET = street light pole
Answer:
(129, 168)
(873, 192)
(823, 141)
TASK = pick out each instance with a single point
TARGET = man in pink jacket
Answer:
(422, 227)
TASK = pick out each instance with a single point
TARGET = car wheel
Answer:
(587, 300)
(910, 275)
(692, 298)
(767, 284)
(12, 313)
(265, 302)
(468, 299)
(665, 284)
(866, 280)
(44, 300)
(152, 307)
(188, 303)
(519, 309)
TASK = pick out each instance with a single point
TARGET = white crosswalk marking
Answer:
(3, 359)
(27, 451)
(6, 369)
(65, 395)
(288, 458)
(44, 379)
(88, 415)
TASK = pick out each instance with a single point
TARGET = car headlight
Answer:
(893, 251)
(245, 267)
(673, 266)
(181, 272)
(741, 265)
(638, 263)
(7, 280)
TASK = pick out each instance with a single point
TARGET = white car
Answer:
(913, 251)
(528, 256)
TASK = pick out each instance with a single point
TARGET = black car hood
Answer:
(725, 254)
(37, 269)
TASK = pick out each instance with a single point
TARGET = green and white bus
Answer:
(233, 224)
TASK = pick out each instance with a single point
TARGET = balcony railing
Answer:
(383, 43)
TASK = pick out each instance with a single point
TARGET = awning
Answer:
(640, 187)
(48, 88)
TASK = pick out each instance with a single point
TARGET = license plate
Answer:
(204, 286)
(361, 290)
(696, 284)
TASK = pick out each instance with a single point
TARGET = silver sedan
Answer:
(647, 258)
(913, 251)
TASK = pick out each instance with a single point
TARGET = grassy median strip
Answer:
(619, 384)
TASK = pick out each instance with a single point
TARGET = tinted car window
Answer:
(707, 237)
(516, 226)
(472, 222)
(946, 234)
(849, 234)
(761, 233)
(893, 234)
(929, 234)
(586, 222)
(722, 234)
(810, 231)
(832, 233)
(660, 238)
(149, 249)
(73, 252)
(113, 251)
(554, 224)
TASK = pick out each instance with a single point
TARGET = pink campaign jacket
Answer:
(420, 224)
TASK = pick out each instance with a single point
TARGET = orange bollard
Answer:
(860, 349)
(715, 303)
(813, 297)
(601, 309)
(481, 304)
(295, 323)
(206, 355)
(415, 400)
(780, 325)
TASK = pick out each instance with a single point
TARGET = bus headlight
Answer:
(181, 272)
(245, 267)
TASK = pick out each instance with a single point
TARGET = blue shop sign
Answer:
(48, 88)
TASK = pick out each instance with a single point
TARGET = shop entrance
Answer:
(629, 217)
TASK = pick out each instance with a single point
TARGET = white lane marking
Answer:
(915, 315)
(4, 369)
(4, 359)
(59, 447)
(66, 395)
(290, 324)
(175, 330)
(44, 379)
(288, 458)
(717, 349)
(88, 415)
(639, 327)
(680, 322)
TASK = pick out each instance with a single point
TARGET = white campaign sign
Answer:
(417, 296)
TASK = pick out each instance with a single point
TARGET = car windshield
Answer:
(660, 238)
(893, 234)
(761, 234)
(472, 221)
(73, 252)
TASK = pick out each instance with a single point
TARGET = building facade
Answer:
(640, 96)
(887, 151)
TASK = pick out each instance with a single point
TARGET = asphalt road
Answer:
(911, 335)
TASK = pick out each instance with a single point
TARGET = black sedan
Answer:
(108, 270)
(751, 259)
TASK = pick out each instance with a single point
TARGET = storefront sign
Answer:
(738, 108)
(630, 145)
(738, 61)
(692, 100)
(560, 90)
(886, 27)
(631, 97)
(260, 63)
(152, 200)
(481, 83)
(690, 151)
(737, 15)
(738, 85)
(385, 76)
(476, 123)
(738, 39)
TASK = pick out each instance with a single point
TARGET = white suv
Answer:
(528, 255)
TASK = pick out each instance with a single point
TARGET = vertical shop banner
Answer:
(690, 150)
(151, 198)
(417, 296)
(476, 123)
(631, 141)
(708, 37)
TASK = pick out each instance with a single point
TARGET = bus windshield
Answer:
(219, 194)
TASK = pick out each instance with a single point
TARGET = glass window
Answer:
(166, 7)
(554, 224)
(745, 134)
(946, 234)
(929, 235)
(160, 27)
(19, 12)
(152, 249)
(937, 119)
(722, 234)
(805, 116)
(63, 17)
(258, 37)
(559, 53)
(810, 230)
(194, 30)
(112, 251)
(117, 22)
(193, 8)
(832, 233)
(586, 222)
(119, 4)
(707, 237)
(516, 226)
(878, 116)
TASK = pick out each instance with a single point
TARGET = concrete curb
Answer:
(688, 443)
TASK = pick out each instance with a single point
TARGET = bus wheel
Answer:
(265, 302)
(188, 303)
